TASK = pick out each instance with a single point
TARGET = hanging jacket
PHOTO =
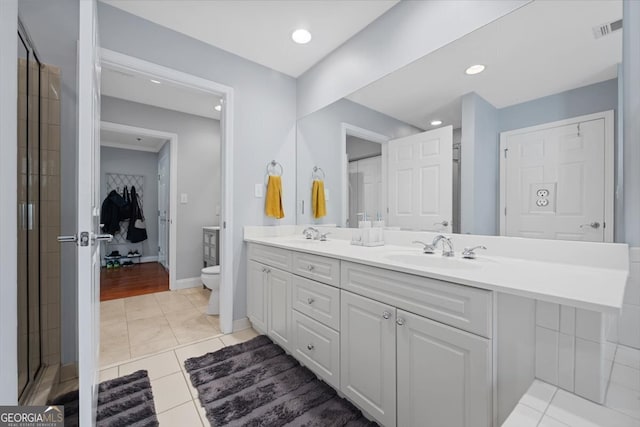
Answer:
(135, 234)
(125, 210)
(110, 212)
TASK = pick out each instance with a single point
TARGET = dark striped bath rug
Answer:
(122, 402)
(256, 384)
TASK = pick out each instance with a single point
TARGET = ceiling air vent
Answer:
(606, 29)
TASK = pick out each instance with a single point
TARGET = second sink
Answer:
(435, 261)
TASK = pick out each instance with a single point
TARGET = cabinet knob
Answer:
(400, 321)
(267, 270)
(310, 300)
(310, 346)
(264, 269)
(310, 267)
(386, 315)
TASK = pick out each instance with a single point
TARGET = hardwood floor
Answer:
(138, 279)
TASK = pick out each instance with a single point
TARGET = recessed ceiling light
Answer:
(436, 122)
(475, 69)
(156, 81)
(301, 36)
(218, 108)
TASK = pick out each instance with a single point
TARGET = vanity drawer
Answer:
(322, 269)
(318, 301)
(275, 257)
(318, 348)
(463, 307)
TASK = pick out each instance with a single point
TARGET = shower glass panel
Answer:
(29, 239)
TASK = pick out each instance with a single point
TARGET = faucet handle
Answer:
(469, 253)
(323, 236)
(428, 248)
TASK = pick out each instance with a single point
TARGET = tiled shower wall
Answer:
(629, 322)
(50, 213)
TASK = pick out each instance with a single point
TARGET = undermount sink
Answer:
(432, 260)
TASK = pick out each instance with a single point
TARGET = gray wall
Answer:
(54, 29)
(481, 127)
(480, 173)
(132, 162)
(198, 172)
(419, 27)
(264, 117)
(319, 144)
(358, 148)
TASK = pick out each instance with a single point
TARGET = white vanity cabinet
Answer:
(269, 302)
(444, 374)
(408, 350)
(368, 355)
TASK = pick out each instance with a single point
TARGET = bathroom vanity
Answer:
(415, 339)
(210, 245)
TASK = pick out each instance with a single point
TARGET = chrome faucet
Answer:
(428, 249)
(311, 232)
(470, 253)
(447, 246)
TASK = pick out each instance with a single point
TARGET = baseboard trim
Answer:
(192, 282)
(240, 324)
(68, 371)
(149, 259)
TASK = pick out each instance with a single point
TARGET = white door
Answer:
(420, 174)
(257, 295)
(88, 212)
(444, 375)
(555, 182)
(370, 190)
(163, 209)
(368, 356)
(279, 307)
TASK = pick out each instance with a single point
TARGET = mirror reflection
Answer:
(509, 130)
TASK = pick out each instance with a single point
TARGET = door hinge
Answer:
(158, 177)
(158, 249)
(604, 224)
(505, 152)
(505, 211)
(224, 224)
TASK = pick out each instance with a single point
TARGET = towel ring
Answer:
(316, 173)
(272, 168)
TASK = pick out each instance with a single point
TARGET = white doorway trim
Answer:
(609, 166)
(347, 129)
(172, 139)
(126, 63)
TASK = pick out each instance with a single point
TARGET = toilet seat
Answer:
(214, 269)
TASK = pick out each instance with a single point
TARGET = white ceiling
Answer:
(543, 48)
(130, 141)
(138, 88)
(260, 30)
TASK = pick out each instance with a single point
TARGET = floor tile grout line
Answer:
(179, 404)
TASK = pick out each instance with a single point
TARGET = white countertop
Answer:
(592, 288)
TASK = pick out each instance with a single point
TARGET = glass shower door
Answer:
(29, 238)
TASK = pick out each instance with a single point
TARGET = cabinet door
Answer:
(279, 307)
(444, 375)
(368, 356)
(257, 295)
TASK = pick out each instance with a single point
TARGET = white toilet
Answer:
(210, 277)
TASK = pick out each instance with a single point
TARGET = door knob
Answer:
(386, 315)
(68, 239)
(310, 346)
(400, 321)
(444, 223)
(102, 237)
(595, 225)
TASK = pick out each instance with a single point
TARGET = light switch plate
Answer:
(259, 190)
(184, 198)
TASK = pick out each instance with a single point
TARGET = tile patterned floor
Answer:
(146, 324)
(545, 405)
(176, 400)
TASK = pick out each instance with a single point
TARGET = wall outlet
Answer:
(259, 190)
(184, 198)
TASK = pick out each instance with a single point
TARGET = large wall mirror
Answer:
(526, 147)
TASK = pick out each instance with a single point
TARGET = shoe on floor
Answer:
(114, 254)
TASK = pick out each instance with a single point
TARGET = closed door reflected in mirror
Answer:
(510, 130)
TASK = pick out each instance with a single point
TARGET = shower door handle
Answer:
(68, 239)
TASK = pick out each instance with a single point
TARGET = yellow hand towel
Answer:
(273, 201)
(318, 203)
